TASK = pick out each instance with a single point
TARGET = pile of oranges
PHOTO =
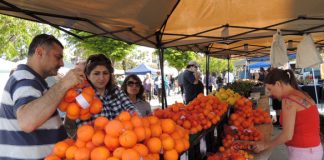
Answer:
(242, 127)
(127, 137)
(80, 102)
(201, 113)
(232, 150)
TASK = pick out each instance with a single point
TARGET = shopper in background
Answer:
(134, 88)
(147, 83)
(190, 80)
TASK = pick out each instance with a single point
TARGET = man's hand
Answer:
(73, 78)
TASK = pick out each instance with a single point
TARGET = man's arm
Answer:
(35, 113)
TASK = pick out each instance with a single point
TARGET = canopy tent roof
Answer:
(141, 70)
(220, 28)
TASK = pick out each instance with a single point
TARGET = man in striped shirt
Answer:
(29, 122)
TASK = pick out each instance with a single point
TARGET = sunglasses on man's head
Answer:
(132, 83)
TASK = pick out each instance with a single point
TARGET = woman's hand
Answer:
(258, 147)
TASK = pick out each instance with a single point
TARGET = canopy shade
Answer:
(221, 28)
(141, 70)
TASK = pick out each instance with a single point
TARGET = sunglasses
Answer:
(132, 83)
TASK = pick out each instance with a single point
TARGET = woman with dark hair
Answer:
(134, 88)
(299, 118)
(100, 74)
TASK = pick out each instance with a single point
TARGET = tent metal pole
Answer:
(228, 69)
(161, 59)
(315, 87)
(207, 73)
(245, 68)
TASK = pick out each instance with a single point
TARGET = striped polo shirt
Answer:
(24, 86)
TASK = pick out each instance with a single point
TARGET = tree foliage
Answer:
(178, 59)
(114, 49)
(16, 35)
(215, 65)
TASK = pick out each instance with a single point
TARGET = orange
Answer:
(90, 145)
(99, 153)
(79, 143)
(148, 132)
(168, 125)
(69, 141)
(113, 158)
(111, 142)
(171, 155)
(167, 143)
(140, 133)
(52, 157)
(221, 149)
(130, 154)
(96, 106)
(98, 137)
(87, 97)
(82, 154)
(136, 121)
(141, 149)
(179, 145)
(114, 128)
(73, 109)
(145, 122)
(63, 106)
(186, 124)
(85, 133)
(70, 95)
(152, 156)
(154, 145)
(124, 116)
(156, 130)
(85, 116)
(128, 139)
(118, 152)
(69, 154)
(186, 144)
(127, 125)
(89, 90)
(100, 122)
(60, 149)
(84, 111)
(153, 120)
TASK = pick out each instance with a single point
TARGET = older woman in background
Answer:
(134, 88)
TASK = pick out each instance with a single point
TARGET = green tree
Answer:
(114, 49)
(215, 65)
(178, 59)
(16, 35)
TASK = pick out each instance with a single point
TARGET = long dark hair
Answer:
(140, 94)
(101, 60)
(284, 76)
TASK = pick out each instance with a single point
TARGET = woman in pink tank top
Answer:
(299, 118)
